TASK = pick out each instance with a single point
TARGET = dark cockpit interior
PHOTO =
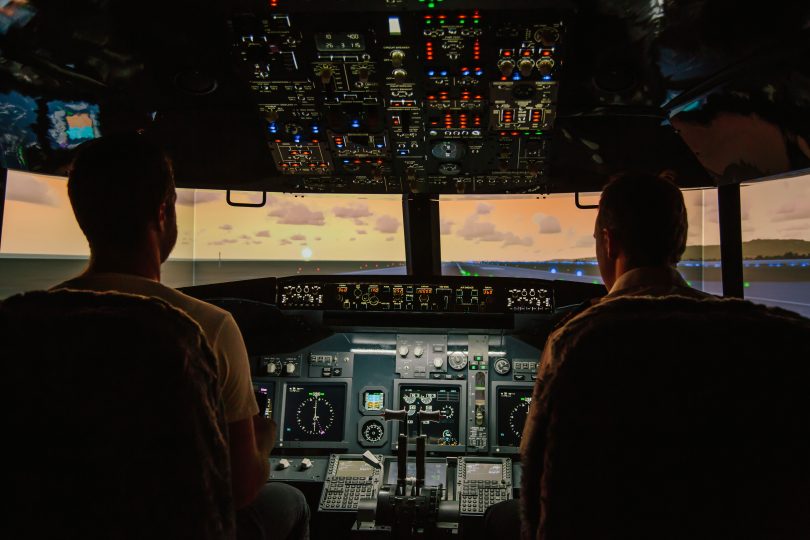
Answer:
(418, 101)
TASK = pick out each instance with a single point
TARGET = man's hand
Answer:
(266, 431)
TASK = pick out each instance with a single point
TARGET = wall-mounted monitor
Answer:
(507, 414)
(314, 414)
(446, 435)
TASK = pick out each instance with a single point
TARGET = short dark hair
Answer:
(648, 215)
(116, 186)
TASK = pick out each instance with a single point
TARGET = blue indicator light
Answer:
(479, 72)
(380, 145)
(346, 161)
(516, 77)
(297, 139)
(465, 72)
(431, 73)
(443, 73)
(355, 123)
(403, 152)
(273, 127)
(553, 270)
(546, 77)
(315, 129)
(579, 273)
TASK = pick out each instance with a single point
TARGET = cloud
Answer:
(389, 239)
(352, 211)
(361, 231)
(30, 190)
(189, 197)
(360, 222)
(352, 239)
(484, 208)
(317, 238)
(298, 237)
(226, 227)
(446, 226)
(223, 242)
(285, 242)
(587, 241)
(387, 225)
(483, 231)
(295, 213)
(792, 211)
(548, 224)
(263, 234)
(244, 237)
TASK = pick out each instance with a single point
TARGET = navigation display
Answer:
(354, 468)
(447, 399)
(265, 397)
(435, 473)
(314, 412)
(513, 407)
(484, 471)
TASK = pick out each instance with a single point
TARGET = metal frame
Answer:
(731, 257)
(3, 180)
(245, 205)
(420, 212)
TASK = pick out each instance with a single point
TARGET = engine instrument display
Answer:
(513, 407)
(435, 473)
(265, 396)
(447, 399)
(314, 412)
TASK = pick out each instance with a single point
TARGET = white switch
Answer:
(283, 463)
(271, 368)
(306, 463)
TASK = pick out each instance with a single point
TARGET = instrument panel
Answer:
(394, 294)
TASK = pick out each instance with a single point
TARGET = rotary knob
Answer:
(289, 369)
(283, 463)
(502, 366)
(272, 368)
(397, 58)
(403, 350)
(438, 362)
(326, 75)
(506, 67)
(363, 74)
(418, 351)
(526, 66)
(306, 463)
(399, 75)
(545, 65)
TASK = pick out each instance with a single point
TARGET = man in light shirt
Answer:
(122, 192)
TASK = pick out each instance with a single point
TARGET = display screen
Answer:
(435, 473)
(353, 468)
(513, 407)
(314, 412)
(265, 396)
(374, 400)
(414, 398)
(484, 471)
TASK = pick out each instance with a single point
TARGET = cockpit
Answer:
(395, 200)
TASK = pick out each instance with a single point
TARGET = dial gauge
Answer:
(315, 415)
(517, 417)
(457, 360)
(373, 431)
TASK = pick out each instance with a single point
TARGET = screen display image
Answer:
(484, 471)
(314, 412)
(72, 123)
(435, 473)
(374, 400)
(353, 468)
(513, 407)
(265, 396)
(447, 399)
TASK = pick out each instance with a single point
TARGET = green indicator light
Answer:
(538, 132)
(441, 21)
(475, 21)
(746, 284)
(428, 21)
(526, 133)
(431, 5)
(689, 283)
(462, 21)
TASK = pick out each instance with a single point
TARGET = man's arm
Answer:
(251, 441)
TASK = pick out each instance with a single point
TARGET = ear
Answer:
(611, 243)
(162, 216)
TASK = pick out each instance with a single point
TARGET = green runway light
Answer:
(746, 284)
(476, 274)
(595, 282)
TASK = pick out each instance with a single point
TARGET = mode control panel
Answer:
(350, 478)
(482, 482)
(524, 370)
(279, 366)
(330, 364)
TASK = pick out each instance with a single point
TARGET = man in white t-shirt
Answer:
(122, 192)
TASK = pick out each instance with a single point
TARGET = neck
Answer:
(140, 262)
